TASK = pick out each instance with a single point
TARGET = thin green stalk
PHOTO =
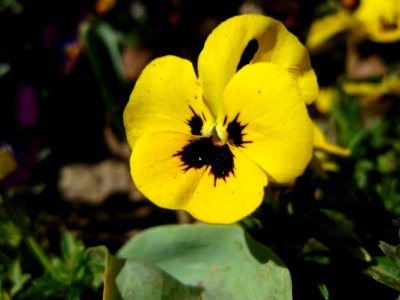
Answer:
(42, 258)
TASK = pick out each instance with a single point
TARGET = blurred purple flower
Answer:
(49, 37)
(26, 107)
(25, 147)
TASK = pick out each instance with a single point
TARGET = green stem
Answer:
(38, 252)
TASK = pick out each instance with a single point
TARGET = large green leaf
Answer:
(141, 280)
(213, 261)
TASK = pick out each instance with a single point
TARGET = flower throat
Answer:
(212, 151)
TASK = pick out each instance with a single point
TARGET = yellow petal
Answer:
(7, 163)
(321, 143)
(381, 19)
(392, 84)
(326, 97)
(230, 200)
(278, 129)
(162, 99)
(323, 29)
(389, 84)
(158, 173)
(364, 88)
(222, 52)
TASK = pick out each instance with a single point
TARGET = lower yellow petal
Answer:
(158, 173)
(232, 199)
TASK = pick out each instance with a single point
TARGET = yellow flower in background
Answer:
(325, 28)
(380, 19)
(371, 92)
(326, 98)
(8, 163)
(322, 150)
(209, 144)
(375, 20)
(321, 143)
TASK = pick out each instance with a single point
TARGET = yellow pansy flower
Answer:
(326, 98)
(375, 20)
(321, 143)
(380, 19)
(370, 93)
(8, 163)
(325, 28)
(210, 143)
(322, 150)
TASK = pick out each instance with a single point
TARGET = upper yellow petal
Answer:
(278, 132)
(163, 99)
(224, 47)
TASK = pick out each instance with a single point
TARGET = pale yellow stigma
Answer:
(219, 136)
(216, 140)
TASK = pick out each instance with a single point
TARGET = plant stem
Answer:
(38, 252)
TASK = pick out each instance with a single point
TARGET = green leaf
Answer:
(387, 270)
(10, 234)
(221, 260)
(112, 268)
(391, 251)
(102, 45)
(96, 259)
(141, 280)
(324, 291)
(17, 278)
(4, 67)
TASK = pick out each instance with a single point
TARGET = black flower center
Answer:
(195, 123)
(205, 152)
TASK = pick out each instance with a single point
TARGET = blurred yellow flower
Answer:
(380, 19)
(371, 92)
(322, 150)
(210, 144)
(104, 6)
(321, 143)
(376, 20)
(325, 28)
(8, 163)
(326, 97)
